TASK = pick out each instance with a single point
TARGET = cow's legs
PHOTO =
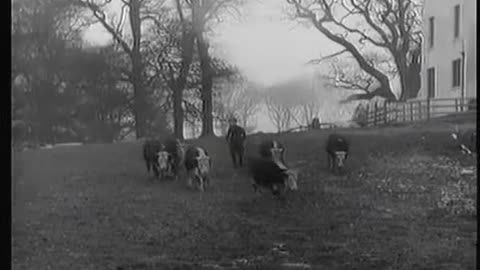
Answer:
(155, 171)
(189, 179)
(329, 160)
(254, 185)
(335, 167)
(206, 181)
(201, 184)
(275, 190)
(174, 169)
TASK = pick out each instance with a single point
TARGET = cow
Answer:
(337, 149)
(236, 142)
(154, 157)
(176, 152)
(268, 174)
(466, 140)
(198, 165)
(274, 150)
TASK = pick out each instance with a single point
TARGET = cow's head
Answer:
(291, 180)
(277, 151)
(340, 157)
(162, 160)
(203, 161)
(232, 121)
(456, 137)
(455, 133)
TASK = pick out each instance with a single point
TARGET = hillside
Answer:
(92, 207)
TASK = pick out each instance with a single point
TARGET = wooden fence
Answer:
(416, 110)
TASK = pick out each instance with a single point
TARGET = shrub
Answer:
(472, 104)
(360, 115)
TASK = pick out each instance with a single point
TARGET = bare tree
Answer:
(392, 25)
(176, 60)
(44, 34)
(203, 13)
(309, 109)
(347, 75)
(301, 96)
(131, 9)
(240, 98)
(281, 112)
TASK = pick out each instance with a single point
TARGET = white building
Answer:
(449, 68)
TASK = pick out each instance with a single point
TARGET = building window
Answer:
(456, 72)
(431, 82)
(456, 25)
(431, 24)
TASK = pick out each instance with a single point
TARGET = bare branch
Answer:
(318, 61)
(100, 15)
(392, 25)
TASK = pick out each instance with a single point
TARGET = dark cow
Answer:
(197, 164)
(466, 140)
(337, 149)
(236, 142)
(274, 150)
(175, 151)
(155, 157)
(266, 173)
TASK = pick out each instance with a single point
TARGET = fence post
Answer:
(368, 114)
(404, 113)
(396, 112)
(428, 109)
(411, 112)
(375, 114)
(385, 120)
(420, 110)
(456, 105)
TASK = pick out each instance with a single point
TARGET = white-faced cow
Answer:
(198, 165)
(268, 174)
(274, 150)
(337, 149)
(154, 157)
(466, 140)
(176, 153)
(164, 166)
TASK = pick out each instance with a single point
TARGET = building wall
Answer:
(470, 8)
(447, 48)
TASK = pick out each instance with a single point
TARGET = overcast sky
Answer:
(265, 44)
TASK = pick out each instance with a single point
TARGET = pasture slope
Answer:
(92, 207)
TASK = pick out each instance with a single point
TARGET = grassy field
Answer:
(403, 205)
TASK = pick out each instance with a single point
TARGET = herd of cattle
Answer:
(267, 169)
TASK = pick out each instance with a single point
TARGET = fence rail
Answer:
(416, 110)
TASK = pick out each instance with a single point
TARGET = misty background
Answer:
(104, 70)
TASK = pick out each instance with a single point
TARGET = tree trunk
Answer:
(384, 90)
(140, 96)
(140, 104)
(413, 79)
(244, 120)
(409, 78)
(178, 85)
(207, 84)
(402, 73)
(178, 112)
